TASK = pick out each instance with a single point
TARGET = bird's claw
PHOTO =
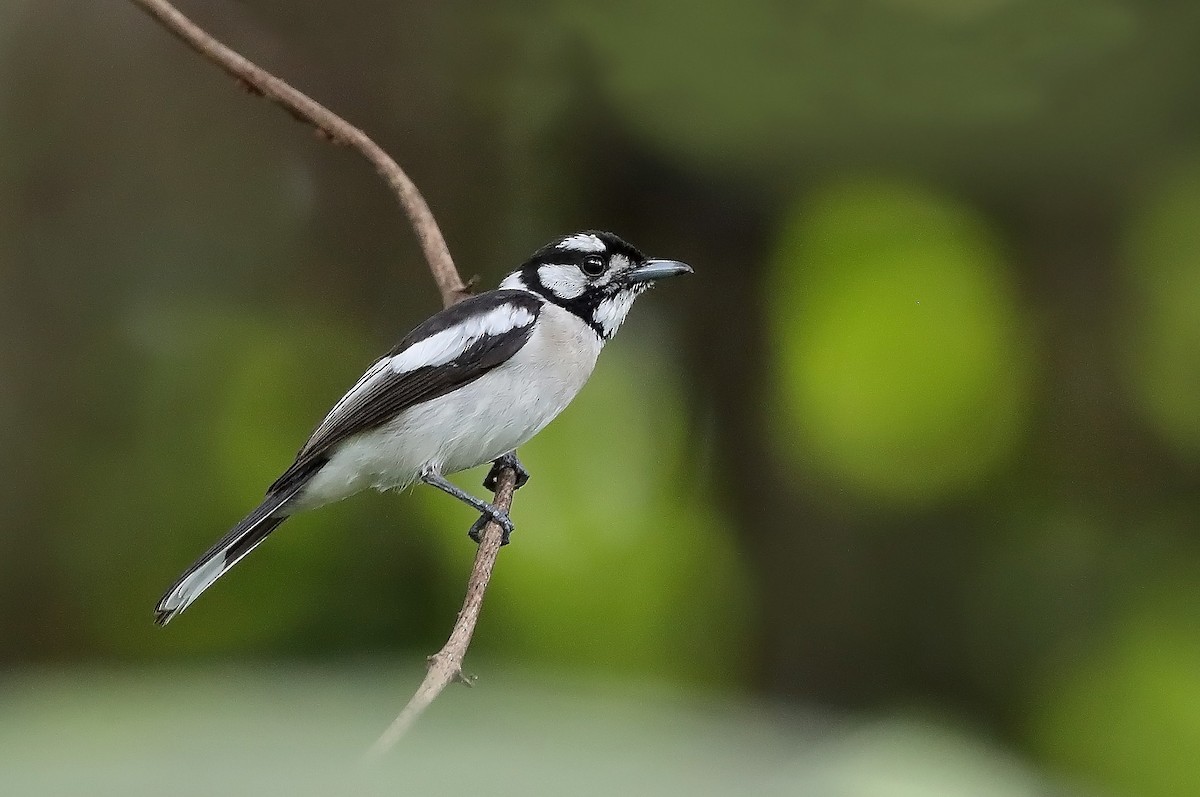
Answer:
(502, 520)
(509, 460)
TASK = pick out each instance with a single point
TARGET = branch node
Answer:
(325, 135)
(248, 87)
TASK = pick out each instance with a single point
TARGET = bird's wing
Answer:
(451, 349)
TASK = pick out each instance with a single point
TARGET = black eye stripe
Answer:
(594, 291)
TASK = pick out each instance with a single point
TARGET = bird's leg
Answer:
(509, 460)
(487, 511)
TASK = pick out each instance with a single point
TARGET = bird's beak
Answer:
(653, 270)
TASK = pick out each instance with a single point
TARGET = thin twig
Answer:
(330, 126)
(445, 666)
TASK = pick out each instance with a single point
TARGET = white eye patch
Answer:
(582, 242)
(563, 281)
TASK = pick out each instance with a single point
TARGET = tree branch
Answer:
(332, 127)
(445, 666)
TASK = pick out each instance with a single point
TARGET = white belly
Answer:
(472, 425)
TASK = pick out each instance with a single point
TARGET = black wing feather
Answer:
(392, 393)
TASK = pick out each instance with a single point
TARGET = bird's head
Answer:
(595, 275)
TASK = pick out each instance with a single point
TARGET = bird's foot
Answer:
(488, 512)
(509, 460)
(502, 520)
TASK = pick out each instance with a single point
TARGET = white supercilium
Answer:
(582, 242)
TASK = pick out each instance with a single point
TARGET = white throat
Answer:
(611, 312)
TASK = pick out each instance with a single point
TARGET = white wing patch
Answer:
(449, 344)
(582, 242)
(437, 349)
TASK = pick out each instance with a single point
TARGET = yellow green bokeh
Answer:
(1125, 712)
(228, 401)
(1161, 333)
(900, 357)
(649, 583)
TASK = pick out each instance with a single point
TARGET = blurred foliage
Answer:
(903, 755)
(300, 731)
(645, 584)
(1163, 319)
(900, 351)
(788, 84)
(209, 460)
(920, 432)
(1125, 715)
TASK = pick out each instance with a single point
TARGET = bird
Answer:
(468, 386)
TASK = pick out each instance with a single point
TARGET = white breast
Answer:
(472, 425)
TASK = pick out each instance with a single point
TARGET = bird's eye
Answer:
(593, 266)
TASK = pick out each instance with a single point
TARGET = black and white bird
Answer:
(466, 387)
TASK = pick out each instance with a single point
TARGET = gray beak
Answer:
(653, 270)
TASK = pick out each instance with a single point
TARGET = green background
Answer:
(899, 494)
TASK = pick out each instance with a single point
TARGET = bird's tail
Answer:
(227, 552)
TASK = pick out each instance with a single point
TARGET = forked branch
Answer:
(445, 666)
